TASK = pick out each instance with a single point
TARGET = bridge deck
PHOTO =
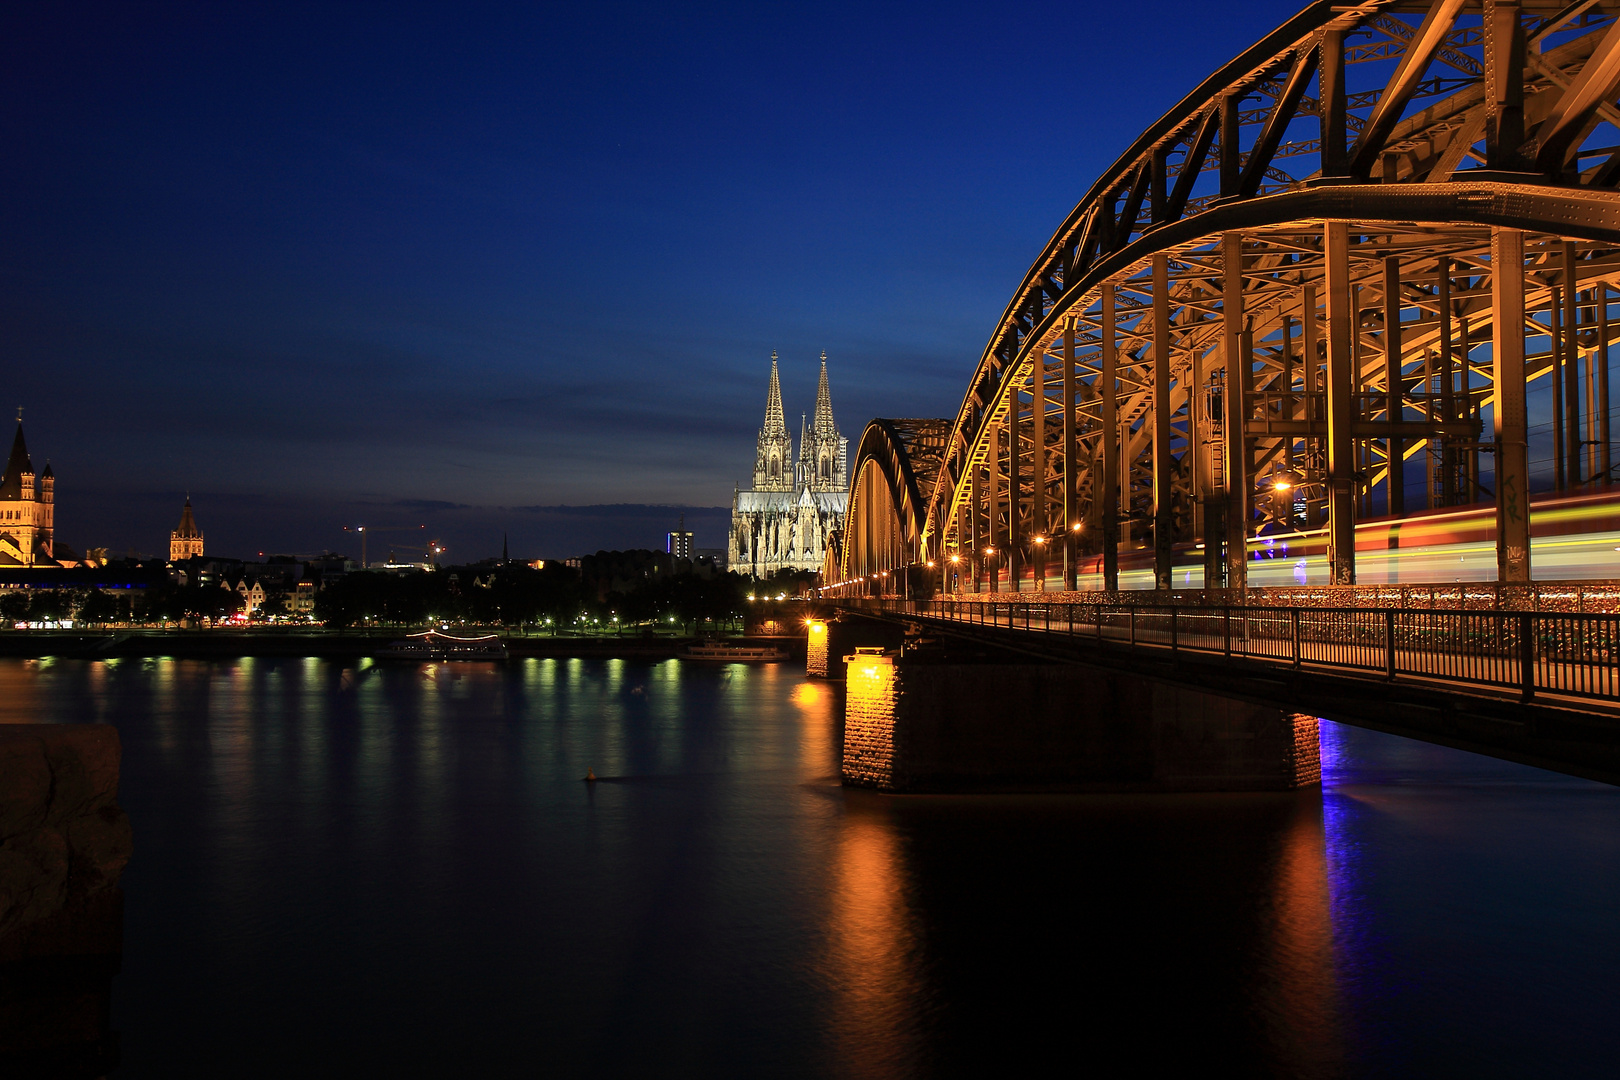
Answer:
(1539, 688)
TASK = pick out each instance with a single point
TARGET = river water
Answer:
(347, 870)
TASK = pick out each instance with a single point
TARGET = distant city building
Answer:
(186, 541)
(679, 542)
(783, 522)
(252, 593)
(711, 558)
(27, 509)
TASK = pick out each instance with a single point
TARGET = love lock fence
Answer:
(1533, 652)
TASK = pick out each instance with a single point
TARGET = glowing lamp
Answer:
(1286, 480)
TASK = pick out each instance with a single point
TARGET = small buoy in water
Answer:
(589, 775)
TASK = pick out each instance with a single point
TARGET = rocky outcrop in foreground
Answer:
(63, 844)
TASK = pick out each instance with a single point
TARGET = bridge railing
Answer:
(1531, 652)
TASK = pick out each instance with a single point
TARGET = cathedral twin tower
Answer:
(794, 506)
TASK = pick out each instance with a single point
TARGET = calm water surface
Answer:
(348, 870)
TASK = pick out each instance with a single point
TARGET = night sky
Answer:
(522, 267)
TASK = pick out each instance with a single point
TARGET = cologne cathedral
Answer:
(784, 520)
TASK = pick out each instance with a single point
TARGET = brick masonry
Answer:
(923, 725)
(815, 653)
(1306, 757)
(873, 689)
(843, 636)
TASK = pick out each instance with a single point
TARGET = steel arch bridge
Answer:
(896, 471)
(1301, 297)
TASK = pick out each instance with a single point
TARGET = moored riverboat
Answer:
(431, 645)
(731, 652)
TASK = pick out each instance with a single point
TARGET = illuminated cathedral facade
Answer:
(783, 521)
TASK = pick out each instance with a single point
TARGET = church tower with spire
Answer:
(827, 452)
(784, 520)
(185, 541)
(27, 508)
(773, 460)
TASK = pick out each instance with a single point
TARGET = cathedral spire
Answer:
(773, 463)
(775, 424)
(824, 416)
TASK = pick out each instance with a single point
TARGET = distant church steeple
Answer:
(186, 540)
(773, 461)
(27, 508)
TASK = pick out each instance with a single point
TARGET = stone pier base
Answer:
(915, 723)
(839, 636)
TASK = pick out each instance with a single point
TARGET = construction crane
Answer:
(432, 549)
(364, 530)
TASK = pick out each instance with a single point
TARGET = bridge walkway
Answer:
(1536, 687)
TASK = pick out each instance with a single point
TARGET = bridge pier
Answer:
(934, 718)
(830, 640)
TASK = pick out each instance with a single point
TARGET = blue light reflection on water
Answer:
(1474, 910)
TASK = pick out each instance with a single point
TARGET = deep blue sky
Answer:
(449, 264)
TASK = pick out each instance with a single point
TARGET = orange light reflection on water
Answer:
(871, 949)
(1303, 1006)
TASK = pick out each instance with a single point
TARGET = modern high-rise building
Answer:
(679, 542)
(187, 539)
(784, 520)
(27, 509)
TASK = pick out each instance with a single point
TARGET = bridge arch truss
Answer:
(896, 469)
(1329, 283)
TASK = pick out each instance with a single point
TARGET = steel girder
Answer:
(1471, 116)
(896, 468)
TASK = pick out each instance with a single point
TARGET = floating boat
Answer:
(434, 646)
(730, 652)
(410, 649)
